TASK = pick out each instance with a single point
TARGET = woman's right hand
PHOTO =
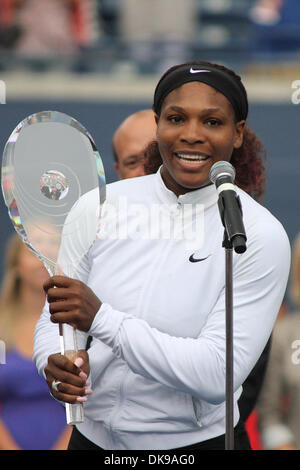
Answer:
(72, 375)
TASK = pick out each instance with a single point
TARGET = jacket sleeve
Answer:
(197, 365)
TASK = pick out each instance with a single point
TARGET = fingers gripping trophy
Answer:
(53, 184)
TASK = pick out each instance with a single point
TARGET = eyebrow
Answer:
(206, 110)
(128, 157)
(131, 158)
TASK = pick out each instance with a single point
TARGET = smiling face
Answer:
(196, 128)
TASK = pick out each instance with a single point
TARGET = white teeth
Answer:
(194, 158)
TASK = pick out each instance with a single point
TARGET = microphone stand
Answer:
(229, 434)
(238, 242)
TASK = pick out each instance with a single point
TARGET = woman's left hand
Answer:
(71, 301)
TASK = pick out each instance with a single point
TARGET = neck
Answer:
(176, 188)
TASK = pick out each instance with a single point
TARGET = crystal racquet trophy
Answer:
(53, 184)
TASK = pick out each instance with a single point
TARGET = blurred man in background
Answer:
(129, 142)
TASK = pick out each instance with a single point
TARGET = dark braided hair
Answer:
(247, 160)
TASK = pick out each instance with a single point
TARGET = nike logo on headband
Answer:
(198, 71)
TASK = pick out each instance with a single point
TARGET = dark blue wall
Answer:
(277, 125)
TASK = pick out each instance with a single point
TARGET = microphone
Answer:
(222, 174)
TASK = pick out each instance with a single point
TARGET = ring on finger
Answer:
(55, 384)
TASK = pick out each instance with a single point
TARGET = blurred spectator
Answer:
(9, 30)
(130, 140)
(272, 12)
(157, 19)
(276, 25)
(279, 403)
(29, 417)
(143, 23)
(51, 27)
(267, 12)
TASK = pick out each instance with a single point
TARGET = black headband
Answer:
(216, 78)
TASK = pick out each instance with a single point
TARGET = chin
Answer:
(193, 185)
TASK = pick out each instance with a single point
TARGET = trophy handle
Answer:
(68, 345)
(68, 348)
(74, 413)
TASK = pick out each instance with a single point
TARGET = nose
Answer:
(192, 132)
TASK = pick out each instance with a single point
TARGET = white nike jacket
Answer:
(158, 351)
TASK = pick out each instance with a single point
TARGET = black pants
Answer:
(241, 442)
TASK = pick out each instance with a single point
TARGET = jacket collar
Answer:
(207, 196)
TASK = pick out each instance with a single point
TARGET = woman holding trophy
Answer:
(154, 304)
